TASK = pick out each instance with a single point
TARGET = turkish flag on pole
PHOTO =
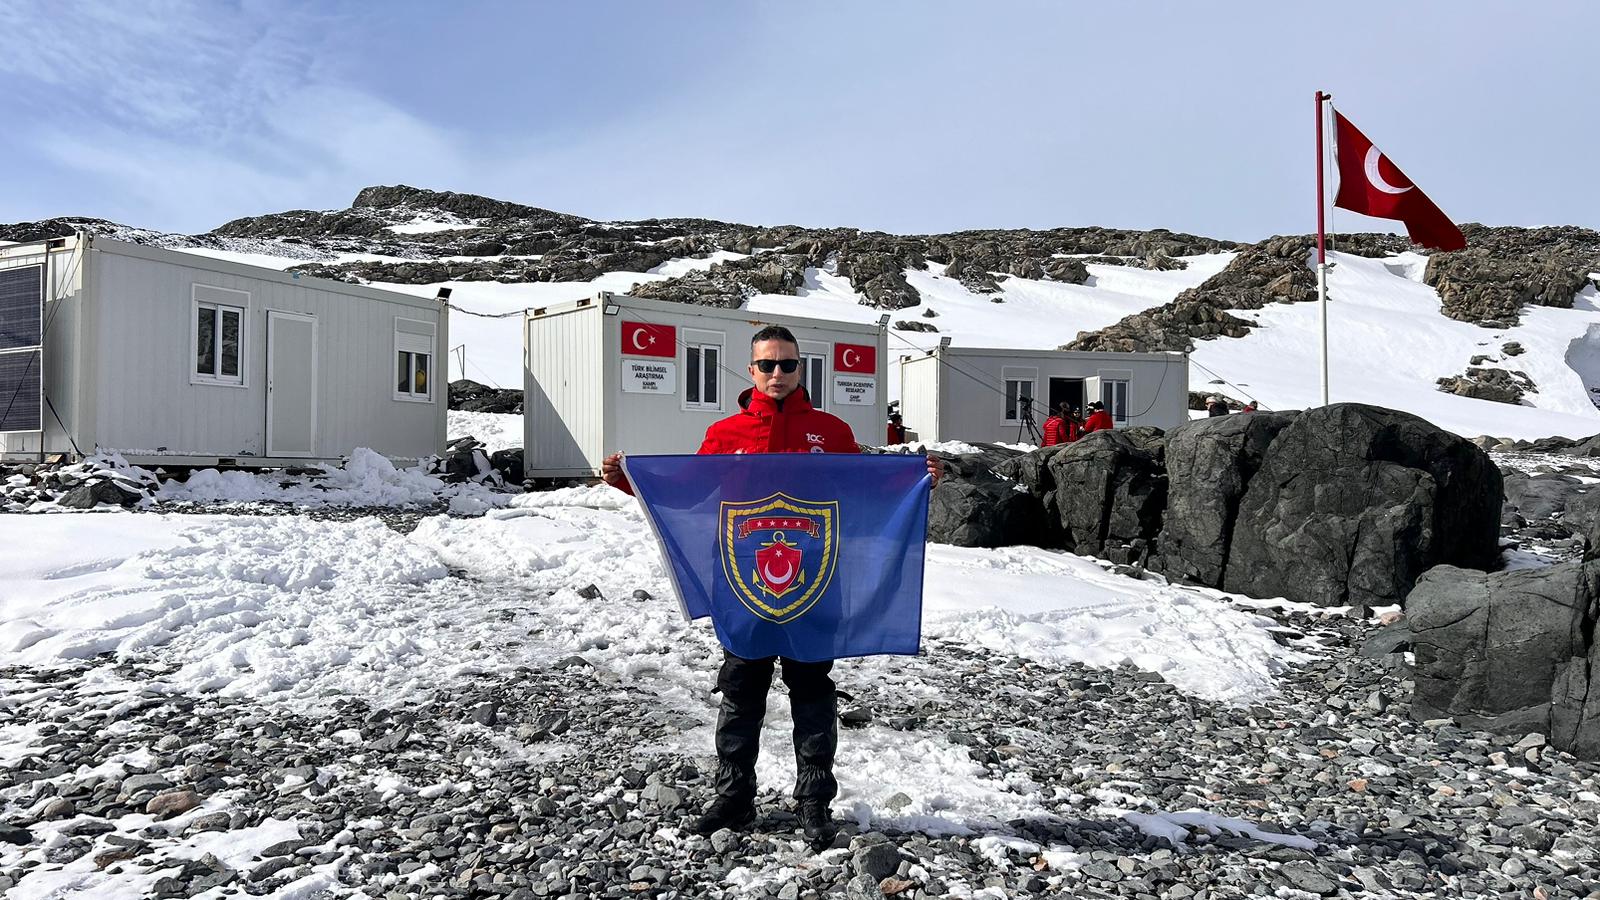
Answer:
(1370, 184)
(644, 339)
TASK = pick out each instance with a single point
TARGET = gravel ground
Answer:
(539, 790)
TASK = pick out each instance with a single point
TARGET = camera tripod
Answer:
(1025, 423)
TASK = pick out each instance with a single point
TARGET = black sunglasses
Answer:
(767, 365)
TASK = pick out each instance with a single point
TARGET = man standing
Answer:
(775, 416)
(1215, 407)
(1099, 419)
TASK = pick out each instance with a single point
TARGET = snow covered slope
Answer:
(1388, 345)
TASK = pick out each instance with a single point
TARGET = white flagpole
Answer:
(1322, 253)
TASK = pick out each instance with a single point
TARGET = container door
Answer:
(291, 384)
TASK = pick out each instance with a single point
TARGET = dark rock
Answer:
(1539, 496)
(1209, 464)
(1505, 651)
(1110, 488)
(983, 510)
(1352, 503)
(1496, 385)
(509, 464)
(471, 396)
(92, 493)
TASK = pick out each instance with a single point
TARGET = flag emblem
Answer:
(779, 553)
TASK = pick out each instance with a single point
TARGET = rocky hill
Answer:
(426, 237)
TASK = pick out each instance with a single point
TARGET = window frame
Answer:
(410, 346)
(1109, 378)
(823, 354)
(696, 340)
(242, 307)
(1019, 375)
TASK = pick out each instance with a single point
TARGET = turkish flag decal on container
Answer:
(855, 358)
(644, 339)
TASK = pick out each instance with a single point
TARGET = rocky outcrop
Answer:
(1347, 504)
(1542, 496)
(728, 284)
(1510, 652)
(1504, 269)
(974, 506)
(1497, 385)
(1110, 491)
(1273, 271)
(1210, 462)
(1352, 503)
(470, 396)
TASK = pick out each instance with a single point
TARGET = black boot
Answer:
(816, 822)
(726, 812)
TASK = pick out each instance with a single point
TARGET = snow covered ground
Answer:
(300, 612)
(497, 431)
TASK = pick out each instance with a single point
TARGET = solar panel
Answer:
(20, 395)
(21, 307)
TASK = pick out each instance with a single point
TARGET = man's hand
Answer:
(611, 469)
(935, 468)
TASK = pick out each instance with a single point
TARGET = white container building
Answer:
(173, 358)
(978, 394)
(615, 372)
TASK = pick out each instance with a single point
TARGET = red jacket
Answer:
(1099, 421)
(1055, 432)
(761, 427)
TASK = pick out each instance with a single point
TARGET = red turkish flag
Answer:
(855, 358)
(644, 339)
(1370, 184)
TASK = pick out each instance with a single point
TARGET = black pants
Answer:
(744, 684)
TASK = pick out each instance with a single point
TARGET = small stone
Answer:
(390, 741)
(172, 803)
(863, 887)
(1532, 740)
(856, 716)
(1529, 837)
(877, 860)
(486, 713)
(1306, 877)
(59, 808)
(217, 821)
(896, 802)
(589, 592)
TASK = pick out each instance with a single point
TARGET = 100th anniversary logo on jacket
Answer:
(779, 553)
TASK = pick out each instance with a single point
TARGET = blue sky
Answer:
(900, 116)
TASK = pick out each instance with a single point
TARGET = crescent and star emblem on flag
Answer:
(641, 333)
(1375, 178)
(779, 553)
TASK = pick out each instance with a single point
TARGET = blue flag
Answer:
(809, 556)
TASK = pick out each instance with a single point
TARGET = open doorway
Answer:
(1066, 390)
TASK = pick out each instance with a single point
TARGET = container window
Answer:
(218, 339)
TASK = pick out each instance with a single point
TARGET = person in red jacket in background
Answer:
(775, 416)
(1056, 427)
(897, 431)
(1099, 419)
